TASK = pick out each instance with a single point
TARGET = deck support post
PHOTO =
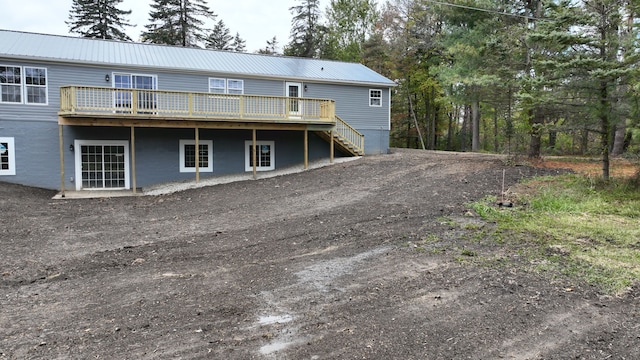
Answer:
(253, 155)
(331, 146)
(133, 160)
(61, 144)
(197, 155)
(306, 148)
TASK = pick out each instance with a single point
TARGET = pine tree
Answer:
(271, 48)
(100, 19)
(584, 67)
(220, 37)
(177, 22)
(306, 30)
(238, 44)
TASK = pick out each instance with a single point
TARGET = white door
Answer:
(102, 164)
(294, 94)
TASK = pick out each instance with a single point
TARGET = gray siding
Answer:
(352, 106)
(36, 153)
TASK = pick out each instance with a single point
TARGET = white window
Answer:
(375, 97)
(265, 155)
(188, 155)
(11, 84)
(235, 87)
(23, 85)
(7, 156)
(35, 82)
(217, 86)
(226, 86)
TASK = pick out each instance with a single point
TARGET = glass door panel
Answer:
(103, 166)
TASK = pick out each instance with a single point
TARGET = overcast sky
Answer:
(256, 20)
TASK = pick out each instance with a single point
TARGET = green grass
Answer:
(575, 226)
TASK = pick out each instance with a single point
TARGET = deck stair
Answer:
(346, 139)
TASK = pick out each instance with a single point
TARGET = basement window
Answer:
(265, 156)
(7, 156)
(188, 155)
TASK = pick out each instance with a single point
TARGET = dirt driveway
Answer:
(324, 264)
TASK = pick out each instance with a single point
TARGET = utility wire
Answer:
(481, 9)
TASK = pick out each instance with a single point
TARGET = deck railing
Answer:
(162, 104)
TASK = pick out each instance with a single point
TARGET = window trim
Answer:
(208, 143)
(372, 98)
(11, 156)
(24, 95)
(247, 155)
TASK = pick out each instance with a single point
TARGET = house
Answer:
(87, 114)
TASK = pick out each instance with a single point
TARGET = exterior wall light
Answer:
(305, 87)
(106, 78)
(71, 148)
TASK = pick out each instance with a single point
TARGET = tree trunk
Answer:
(535, 143)
(584, 142)
(408, 123)
(509, 125)
(415, 120)
(463, 131)
(434, 120)
(618, 139)
(604, 128)
(553, 136)
(427, 121)
(495, 130)
(452, 115)
(475, 125)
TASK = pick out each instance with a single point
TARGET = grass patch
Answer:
(576, 226)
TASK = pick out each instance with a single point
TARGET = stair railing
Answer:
(350, 136)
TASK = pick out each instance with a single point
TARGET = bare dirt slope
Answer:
(324, 264)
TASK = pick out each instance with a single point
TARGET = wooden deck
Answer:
(106, 106)
(136, 107)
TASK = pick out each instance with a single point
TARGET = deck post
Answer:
(61, 141)
(331, 146)
(306, 148)
(253, 155)
(197, 155)
(133, 160)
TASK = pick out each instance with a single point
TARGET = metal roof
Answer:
(55, 48)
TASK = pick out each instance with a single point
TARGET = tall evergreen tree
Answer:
(306, 30)
(177, 22)
(220, 37)
(100, 19)
(238, 44)
(468, 72)
(271, 48)
(586, 66)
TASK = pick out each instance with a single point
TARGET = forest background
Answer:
(520, 77)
